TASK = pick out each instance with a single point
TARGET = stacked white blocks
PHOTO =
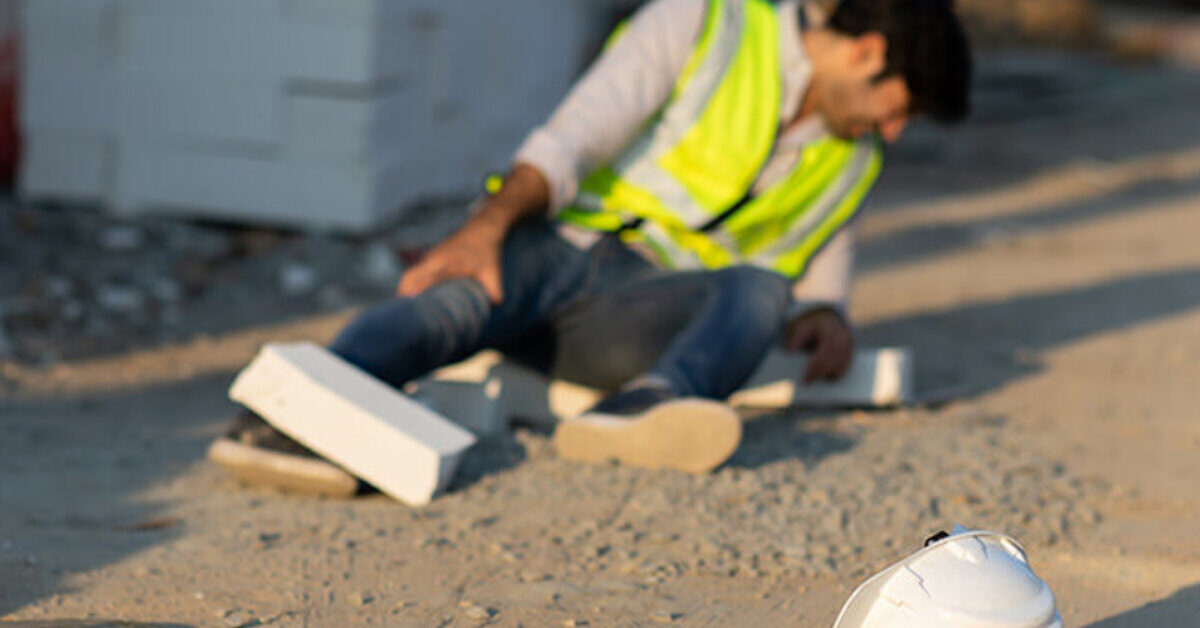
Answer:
(323, 114)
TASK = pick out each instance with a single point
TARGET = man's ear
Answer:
(869, 54)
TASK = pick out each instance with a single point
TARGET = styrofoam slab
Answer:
(877, 378)
(353, 419)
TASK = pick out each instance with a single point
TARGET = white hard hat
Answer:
(971, 579)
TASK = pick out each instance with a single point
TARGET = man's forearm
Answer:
(525, 193)
(474, 250)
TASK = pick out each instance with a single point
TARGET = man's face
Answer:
(854, 101)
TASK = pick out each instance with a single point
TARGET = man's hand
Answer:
(471, 253)
(824, 334)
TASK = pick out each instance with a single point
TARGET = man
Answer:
(685, 209)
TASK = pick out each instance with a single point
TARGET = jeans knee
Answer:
(403, 337)
(361, 342)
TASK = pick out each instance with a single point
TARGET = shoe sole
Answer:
(693, 435)
(286, 472)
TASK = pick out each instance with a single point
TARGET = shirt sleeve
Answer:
(607, 108)
(827, 282)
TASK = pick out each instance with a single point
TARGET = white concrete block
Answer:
(68, 35)
(178, 109)
(309, 113)
(354, 420)
(343, 197)
(66, 166)
(471, 405)
(358, 130)
(486, 392)
(349, 43)
(530, 397)
(158, 40)
(9, 16)
(877, 378)
(234, 110)
(78, 102)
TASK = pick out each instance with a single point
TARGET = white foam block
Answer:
(353, 419)
(877, 378)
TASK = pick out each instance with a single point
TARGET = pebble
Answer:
(120, 299)
(296, 279)
(57, 287)
(72, 310)
(234, 619)
(533, 576)
(665, 617)
(166, 290)
(479, 612)
(379, 265)
(122, 238)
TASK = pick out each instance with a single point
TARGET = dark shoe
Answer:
(250, 429)
(257, 453)
(652, 428)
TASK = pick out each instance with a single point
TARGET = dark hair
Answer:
(926, 45)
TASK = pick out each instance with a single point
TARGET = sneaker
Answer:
(257, 453)
(652, 428)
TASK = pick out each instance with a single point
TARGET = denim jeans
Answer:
(599, 317)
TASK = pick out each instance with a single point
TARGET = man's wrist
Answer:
(803, 307)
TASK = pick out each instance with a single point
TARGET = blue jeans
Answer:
(599, 317)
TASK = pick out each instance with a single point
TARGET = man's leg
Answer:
(677, 341)
(405, 338)
(703, 332)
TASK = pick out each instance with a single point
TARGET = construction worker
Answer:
(686, 208)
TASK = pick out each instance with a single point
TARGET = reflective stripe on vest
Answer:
(704, 151)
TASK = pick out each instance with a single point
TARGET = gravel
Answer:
(75, 283)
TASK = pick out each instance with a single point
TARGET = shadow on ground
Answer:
(933, 239)
(999, 340)
(1181, 609)
(88, 623)
(807, 436)
(75, 474)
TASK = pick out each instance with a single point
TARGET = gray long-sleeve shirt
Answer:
(634, 78)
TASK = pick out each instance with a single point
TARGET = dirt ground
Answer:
(1043, 259)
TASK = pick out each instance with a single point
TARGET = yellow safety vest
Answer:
(681, 188)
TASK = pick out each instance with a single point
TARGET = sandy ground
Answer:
(1044, 258)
